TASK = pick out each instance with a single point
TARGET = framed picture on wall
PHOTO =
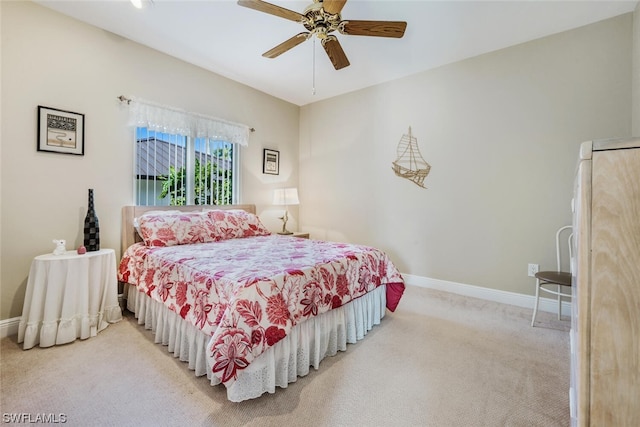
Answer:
(271, 162)
(60, 131)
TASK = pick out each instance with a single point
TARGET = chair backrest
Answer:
(559, 233)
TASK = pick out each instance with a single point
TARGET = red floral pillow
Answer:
(234, 224)
(136, 221)
(175, 229)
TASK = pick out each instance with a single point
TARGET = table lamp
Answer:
(285, 196)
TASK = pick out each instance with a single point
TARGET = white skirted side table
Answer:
(69, 296)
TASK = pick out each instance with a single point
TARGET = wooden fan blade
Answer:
(272, 9)
(333, 6)
(286, 45)
(375, 28)
(336, 54)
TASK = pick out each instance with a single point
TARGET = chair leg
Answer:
(535, 307)
(559, 302)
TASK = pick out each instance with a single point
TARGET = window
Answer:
(184, 158)
(173, 169)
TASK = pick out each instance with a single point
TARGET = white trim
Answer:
(9, 327)
(496, 295)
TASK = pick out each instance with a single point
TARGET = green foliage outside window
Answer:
(207, 191)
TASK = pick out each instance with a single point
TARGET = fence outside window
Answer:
(173, 170)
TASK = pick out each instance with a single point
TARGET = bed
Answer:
(247, 308)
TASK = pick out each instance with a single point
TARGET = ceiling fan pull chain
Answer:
(313, 84)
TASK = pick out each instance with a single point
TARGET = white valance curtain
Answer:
(162, 118)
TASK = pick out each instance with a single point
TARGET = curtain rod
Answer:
(126, 100)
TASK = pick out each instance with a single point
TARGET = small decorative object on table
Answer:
(285, 196)
(82, 250)
(91, 227)
(60, 247)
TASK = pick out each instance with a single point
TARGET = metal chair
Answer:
(553, 281)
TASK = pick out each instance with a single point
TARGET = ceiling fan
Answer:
(321, 19)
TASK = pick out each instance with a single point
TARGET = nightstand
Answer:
(69, 296)
(301, 235)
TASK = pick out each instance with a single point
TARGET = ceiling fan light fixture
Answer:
(318, 21)
(322, 18)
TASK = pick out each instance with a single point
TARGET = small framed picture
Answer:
(271, 162)
(60, 131)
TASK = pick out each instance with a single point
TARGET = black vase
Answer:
(91, 227)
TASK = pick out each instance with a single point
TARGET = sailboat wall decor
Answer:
(410, 164)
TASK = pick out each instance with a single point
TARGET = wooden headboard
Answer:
(129, 234)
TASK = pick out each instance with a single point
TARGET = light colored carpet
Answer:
(440, 360)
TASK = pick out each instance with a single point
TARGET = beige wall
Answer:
(49, 59)
(501, 132)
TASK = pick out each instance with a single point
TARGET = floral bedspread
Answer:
(248, 293)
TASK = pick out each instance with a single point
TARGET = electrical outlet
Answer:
(533, 269)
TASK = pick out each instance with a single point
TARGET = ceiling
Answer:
(229, 40)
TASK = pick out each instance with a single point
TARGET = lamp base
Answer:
(285, 233)
(284, 219)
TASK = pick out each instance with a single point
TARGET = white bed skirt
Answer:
(308, 343)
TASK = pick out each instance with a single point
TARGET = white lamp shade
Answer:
(285, 196)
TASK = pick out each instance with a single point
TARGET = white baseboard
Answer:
(9, 327)
(512, 298)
